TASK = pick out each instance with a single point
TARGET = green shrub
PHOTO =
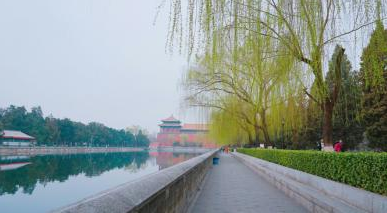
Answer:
(364, 170)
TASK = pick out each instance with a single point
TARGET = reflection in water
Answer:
(42, 183)
(166, 159)
(12, 166)
(50, 168)
(13, 162)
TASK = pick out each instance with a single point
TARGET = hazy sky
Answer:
(96, 60)
(89, 60)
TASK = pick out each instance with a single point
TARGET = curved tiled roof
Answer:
(16, 135)
(170, 124)
(171, 119)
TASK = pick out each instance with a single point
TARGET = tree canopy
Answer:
(257, 37)
(374, 78)
(54, 131)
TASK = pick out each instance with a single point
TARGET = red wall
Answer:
(167, 139)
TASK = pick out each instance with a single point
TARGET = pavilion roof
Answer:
(15, 134)
(171, 119)
(170, 124)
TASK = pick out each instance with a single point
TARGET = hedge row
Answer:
(364, 170)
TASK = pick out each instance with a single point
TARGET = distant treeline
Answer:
(54, 131)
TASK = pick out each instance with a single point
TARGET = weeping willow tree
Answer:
(246, 85)
(231, 125)
(304, 28)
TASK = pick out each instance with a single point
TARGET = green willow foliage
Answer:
(242, 89)
(301, 30)
(362, 170)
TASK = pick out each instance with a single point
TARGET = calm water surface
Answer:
(43, 183)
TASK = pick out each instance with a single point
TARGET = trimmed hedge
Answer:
(364, 170)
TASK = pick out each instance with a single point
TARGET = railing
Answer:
(315, 193)
(170, 190)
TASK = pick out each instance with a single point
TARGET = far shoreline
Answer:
(57, 150)
(40, 150)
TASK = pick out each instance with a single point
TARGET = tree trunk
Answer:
(329, 103)
(267, 136)
(251, 139)
(327, 126)
(264, 128)
(256, 135)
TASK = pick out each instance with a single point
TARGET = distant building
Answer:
(15, 138)
(173, 133)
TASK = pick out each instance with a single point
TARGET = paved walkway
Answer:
(233, 187)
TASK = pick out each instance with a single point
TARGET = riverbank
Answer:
(169, 190)
(180, 149)
(63, 150)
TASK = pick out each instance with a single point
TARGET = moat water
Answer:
(44, 183)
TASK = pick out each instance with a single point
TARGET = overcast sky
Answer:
(96, 60)
(89, 60)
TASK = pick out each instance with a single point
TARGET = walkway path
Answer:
(233, 187)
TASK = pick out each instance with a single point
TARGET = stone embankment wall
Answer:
(181, 149)
(170, 190)
(315, 193)
(62, 150)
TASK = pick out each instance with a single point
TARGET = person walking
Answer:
(319, 148)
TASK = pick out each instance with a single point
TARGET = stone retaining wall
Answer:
(62, 150)
(180, 149)
(315, 193)
(169, 190)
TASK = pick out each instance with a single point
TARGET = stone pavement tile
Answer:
(233, 187)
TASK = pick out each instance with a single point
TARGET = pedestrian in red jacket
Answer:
(338, 146)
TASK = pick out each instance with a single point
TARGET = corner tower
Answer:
(169, 132)
(170, 125)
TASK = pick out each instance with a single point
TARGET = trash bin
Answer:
(215, 161)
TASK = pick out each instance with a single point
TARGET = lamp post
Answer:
(283, 138)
